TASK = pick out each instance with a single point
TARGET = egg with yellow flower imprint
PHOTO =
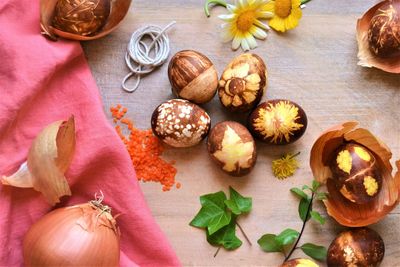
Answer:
(286, 14)
(278, 122)
(356, 173)
(243, 25)
(243, 83)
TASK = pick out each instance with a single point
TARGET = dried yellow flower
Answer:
(285, 166)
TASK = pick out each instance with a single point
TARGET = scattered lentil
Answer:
(145, 150)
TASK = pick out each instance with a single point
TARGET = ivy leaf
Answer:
(297, 191)
(237, 203)
(303, 208)
(213, 213)
(268, 243)
(317, 217)
(316, 252)
(225, 236)
(287, 237)
(322, 195)
(315, 185)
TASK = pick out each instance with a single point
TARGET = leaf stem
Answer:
(216, 2)
(304, 2)
(294, 247)
(216, 252)
(298, 153)
(245, 236)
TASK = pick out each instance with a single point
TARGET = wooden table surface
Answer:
(314, 65)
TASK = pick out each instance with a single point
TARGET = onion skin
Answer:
(81, 235)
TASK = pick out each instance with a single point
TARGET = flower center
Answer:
(236, 86)
(283, 8)
(245, 21)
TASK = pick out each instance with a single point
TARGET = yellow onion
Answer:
(81, 20)
(378, 37)
(342, 208)
(80, 235)
(48, 159)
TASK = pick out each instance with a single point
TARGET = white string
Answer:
(138, 56)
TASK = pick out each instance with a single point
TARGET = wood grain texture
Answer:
(314, 65)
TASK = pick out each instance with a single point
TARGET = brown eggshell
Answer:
(299, 263)
(119, 9)
(361, 247)
(232, 147)
(366, 57)
(180, 123)
(355, 173)
(243, 83)
(272, 128)
(193, 76)
(341, 209)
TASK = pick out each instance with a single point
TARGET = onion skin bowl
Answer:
(340, 208)
(119, 9)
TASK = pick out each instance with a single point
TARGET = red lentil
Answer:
(145, 150)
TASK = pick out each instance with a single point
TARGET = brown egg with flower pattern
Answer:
(193, 76)
(299, 263)
(232, 147)
(81, 17)
(278, 122)
(243, 83)
(384, 30)
(356, 173)
(180, 123)
(361, 247)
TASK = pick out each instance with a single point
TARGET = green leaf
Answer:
(268, 243)
(322, 195)
(298, 192)
(225, 237)
(213, 213)
(287, 237)
(315, 185)
(216, 2)
(306, 187)
(237, 203)
(316, 252)
(303, 207)
(317, 217)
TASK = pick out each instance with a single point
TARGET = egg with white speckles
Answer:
(180, 123)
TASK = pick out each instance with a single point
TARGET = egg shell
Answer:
(180, 123)
(243, 83)
(193, 76)
(278, 122)
(361, 247)
(232, 147)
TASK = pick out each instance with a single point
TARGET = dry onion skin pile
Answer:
(80, 235)
(378, 37)
(81, 19)
(48, 159)
(355, 199)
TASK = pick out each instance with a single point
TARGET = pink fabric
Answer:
(41, 82)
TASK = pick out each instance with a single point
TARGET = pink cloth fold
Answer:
(43, 81)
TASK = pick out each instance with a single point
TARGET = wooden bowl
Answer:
(119, 9)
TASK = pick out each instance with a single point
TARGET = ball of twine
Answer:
(142, 58)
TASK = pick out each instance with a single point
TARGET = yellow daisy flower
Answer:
(243, 23)
(287, 14)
